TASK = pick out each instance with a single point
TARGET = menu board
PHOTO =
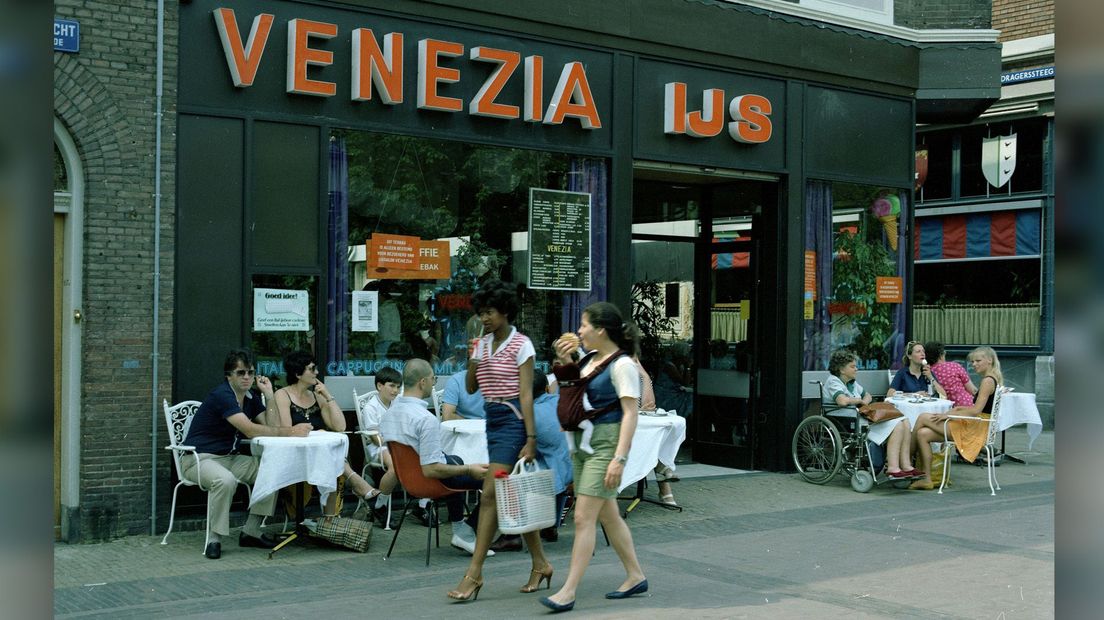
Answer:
(559, 240)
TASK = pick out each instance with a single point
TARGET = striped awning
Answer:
(731, 260)
(965, 236)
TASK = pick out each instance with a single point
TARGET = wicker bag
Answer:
(346, 532)
(525, 499)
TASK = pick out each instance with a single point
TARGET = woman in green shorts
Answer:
(603, 332)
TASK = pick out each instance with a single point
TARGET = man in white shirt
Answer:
(409, 421)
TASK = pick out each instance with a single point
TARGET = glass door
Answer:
(696, 266)
(727, 375)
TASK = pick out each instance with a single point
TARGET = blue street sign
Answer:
(1027, 75)
(66, 35)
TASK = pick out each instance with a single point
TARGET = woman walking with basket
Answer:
(598, 475)
(501, 366)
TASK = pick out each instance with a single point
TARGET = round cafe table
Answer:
(911, 406)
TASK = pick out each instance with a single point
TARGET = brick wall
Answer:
(1019, 19)
(943, 14)
(105, 96)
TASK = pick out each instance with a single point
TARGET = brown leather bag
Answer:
(879, 412)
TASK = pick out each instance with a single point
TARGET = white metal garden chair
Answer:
(178, 419)
(990, 440)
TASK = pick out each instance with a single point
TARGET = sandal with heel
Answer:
(542, 576)
(457, 595)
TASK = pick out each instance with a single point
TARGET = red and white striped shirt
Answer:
(497, 373)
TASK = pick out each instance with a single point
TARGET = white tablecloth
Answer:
(318, 459)
(1020, 408)
(657, 438)
(879, 432)
(912, 410)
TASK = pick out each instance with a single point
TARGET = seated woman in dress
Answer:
(672, 385)
(843, 389)
(969, 437)
(306, 399)
(953, 377)
(916, 376)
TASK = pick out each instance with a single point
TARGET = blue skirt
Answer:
(505, 432)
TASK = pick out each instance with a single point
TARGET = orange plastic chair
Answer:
(408, 466)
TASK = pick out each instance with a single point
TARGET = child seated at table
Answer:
(388, 385)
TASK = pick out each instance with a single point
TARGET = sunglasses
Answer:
(241, 372)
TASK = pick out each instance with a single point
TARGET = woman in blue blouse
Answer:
(916, 376)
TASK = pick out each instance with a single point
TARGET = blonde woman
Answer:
(966, 435)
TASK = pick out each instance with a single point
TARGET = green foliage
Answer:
(860, 260)
(651, 319)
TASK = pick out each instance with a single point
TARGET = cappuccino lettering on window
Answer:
(377, 72)
(750, 114)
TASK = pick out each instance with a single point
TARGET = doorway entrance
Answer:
(68, 254)
(698, 239)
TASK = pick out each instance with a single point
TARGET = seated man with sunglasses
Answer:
(226, 415)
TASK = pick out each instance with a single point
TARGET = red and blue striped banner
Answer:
(731, 260)
(978, 235)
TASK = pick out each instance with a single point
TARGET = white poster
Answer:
(279, 310)
(365, 311)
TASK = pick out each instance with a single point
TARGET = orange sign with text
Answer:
(810, 272)
(889, 290)
(402, 257)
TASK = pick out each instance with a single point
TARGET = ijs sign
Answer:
(379, 63)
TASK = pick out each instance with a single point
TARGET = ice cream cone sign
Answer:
(887, 207)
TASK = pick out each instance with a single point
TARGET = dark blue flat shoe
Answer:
(639, 588)
(556, 607)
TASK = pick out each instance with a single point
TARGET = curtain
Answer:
(1006, 324)
(590, 175)
(337, 260)
(896, 345)
(818, 238)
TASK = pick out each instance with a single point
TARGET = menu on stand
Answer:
(559, 240)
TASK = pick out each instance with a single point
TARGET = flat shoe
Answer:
(507, 543)
(920, 485)
(266, 541)
(213, 551)
(556, 607)
(668, 499)
(899, 474)
(639, 588)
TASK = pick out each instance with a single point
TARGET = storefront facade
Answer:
(699, 160)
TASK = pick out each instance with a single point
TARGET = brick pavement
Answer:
(753, 545)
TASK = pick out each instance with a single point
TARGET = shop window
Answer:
(281, 321)
(937, 183)
(853, 236)
(469, 201)
(992, 302)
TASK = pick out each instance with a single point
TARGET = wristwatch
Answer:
(620, 458)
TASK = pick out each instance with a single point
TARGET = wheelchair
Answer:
(834, 441)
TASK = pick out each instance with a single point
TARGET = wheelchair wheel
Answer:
(817, 449)
(862, 481)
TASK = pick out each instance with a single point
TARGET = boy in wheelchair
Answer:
(842, 393)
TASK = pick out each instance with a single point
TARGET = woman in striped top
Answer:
(501, 367)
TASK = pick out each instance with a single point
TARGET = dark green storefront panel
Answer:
(205, 80)
(721, 151)
(854, 136)
(209, 296)
(283, 223)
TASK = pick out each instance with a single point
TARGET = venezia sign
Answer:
(378, 66)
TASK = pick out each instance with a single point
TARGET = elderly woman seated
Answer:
(843, 389)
